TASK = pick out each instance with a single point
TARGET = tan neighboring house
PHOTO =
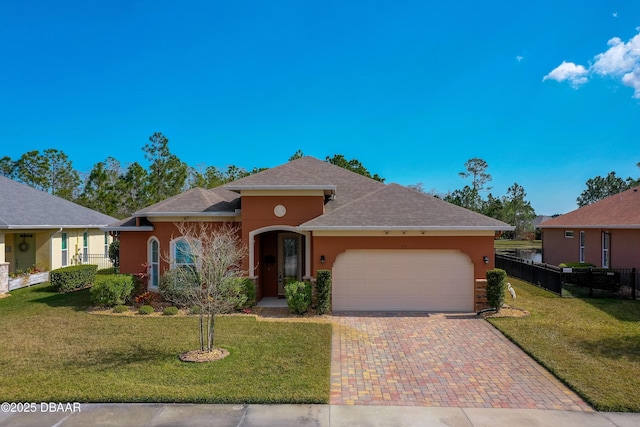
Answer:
(45, 232)
(605, 233)
(388, 247)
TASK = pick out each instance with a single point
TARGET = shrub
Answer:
(323, 289)
(196, 310)
(298, 296)
(107, 271)
(243, 291)
(175, 287)
(120, 309)
(145, 298)
(496, 285)
(250, 291)
(170, 311)
(114, 253)
(111, 290)
(145, 309)
(69, 279)
(575, 265)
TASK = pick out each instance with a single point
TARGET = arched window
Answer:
(154, 262)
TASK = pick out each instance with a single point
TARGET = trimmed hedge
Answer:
(323, 289)
(496, 285)
(68, 279)
(111, 290)
(298, 296)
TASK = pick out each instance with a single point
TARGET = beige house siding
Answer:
(48, 247)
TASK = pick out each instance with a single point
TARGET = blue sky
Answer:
(547, 92)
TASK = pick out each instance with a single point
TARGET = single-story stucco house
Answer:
(38, 230)
(389, 247)
(605, 233)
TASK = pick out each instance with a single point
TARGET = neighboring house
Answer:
(38, 230)
(389, 247)
(536, 225)
(605, 233)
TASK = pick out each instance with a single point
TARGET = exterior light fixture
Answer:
(485, 259)
(322, 259)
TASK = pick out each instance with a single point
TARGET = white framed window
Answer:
(582, 246)
(568, 234)
(106, 244)
(154, 262)
(65, 249)
(181, 253)
(85, 247)
(606, 245)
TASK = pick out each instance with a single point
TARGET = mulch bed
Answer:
(201, 356)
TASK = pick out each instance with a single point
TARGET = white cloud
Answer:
(621, 61)
(614, 14)
(519, 58)
(576, 74)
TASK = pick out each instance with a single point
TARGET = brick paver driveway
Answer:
(437, 360)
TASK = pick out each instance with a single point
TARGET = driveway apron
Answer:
(448, 360)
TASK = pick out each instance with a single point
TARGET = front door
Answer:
(289, 259)
(25, 255)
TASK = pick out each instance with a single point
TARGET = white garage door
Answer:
(402, 280)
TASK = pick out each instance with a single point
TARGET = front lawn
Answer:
(591, 344)
(53, 350)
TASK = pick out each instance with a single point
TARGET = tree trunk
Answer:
(210, 334)
(201, 332)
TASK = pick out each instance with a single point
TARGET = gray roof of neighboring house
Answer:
(24, 207)
(356, 202)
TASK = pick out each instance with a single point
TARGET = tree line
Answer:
(120, 190)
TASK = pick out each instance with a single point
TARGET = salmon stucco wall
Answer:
(623, 250)
(133, 246)
(258, 212)
(476, 247)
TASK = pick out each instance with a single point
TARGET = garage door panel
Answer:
(403, 280)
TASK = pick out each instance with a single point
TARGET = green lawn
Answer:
(517, 244)
(591, 344)
(53, 350)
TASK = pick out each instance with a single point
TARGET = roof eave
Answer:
(610, 226)
(399, 227)
(128, 228)
(50, 226)
(285, 187)
(169, 214)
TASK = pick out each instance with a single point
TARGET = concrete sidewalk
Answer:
(193, 415)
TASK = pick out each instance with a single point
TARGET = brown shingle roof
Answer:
(195, 200)
(359, 202)
(618, 211)
(311, 172)
(394, 206)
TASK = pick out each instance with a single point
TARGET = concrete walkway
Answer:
(437, 360)
(189, 415)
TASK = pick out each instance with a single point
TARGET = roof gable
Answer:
(193, 201)
(23, 207)
(309, 172)
(618, 211)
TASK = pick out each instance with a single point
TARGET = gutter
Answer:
(405, 228)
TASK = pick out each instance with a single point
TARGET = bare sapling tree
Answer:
(206, 264)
